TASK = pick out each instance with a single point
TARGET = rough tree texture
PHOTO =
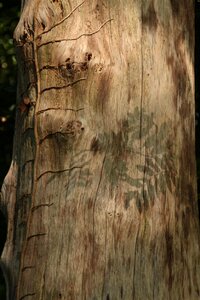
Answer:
(101, 193)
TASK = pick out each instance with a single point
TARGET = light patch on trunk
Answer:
(34, 10)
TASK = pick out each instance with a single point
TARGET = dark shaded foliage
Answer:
(9, 12)
(9, 15)
(197, 91)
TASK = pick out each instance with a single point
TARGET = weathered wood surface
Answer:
(103, 188)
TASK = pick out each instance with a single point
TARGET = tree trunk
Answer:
(101, 193)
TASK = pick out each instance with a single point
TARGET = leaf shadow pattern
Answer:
(152, 151)
(79, 174)
(156, 170)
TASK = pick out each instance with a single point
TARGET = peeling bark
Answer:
(101, 195)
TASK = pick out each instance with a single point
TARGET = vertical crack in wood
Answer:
(141, 99)
(142, 70)
(104, 274)
(42, 289)
(42, 283)
(141, 112)
(37, 74)
(83, 284)
(134, 263)
(95, 199)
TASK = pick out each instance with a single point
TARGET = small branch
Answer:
(76, 81)
(62, 87)
(27, 162)
(52, 134)
(61, 21)
(27, 268)
(35, 235)
(27, 129)
(59, 108)
(74, 39)
(24, 197)
(55, 68)
(57, 171)
(54, 88)
(49, 67)
(41, 205)
(27, 295)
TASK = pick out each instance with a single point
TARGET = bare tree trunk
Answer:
(101, 194)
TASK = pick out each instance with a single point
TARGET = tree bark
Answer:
(101, 194)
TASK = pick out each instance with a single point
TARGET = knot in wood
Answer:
(72, 127)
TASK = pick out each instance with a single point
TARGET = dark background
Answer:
(9, 15)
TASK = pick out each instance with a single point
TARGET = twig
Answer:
(41, 205)
(63, 86)
(27, 295)
(74, 39)
(28, 268)
(35, 235)
(57, 171)
(49, 67)
(59, 108)
(61, 21)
